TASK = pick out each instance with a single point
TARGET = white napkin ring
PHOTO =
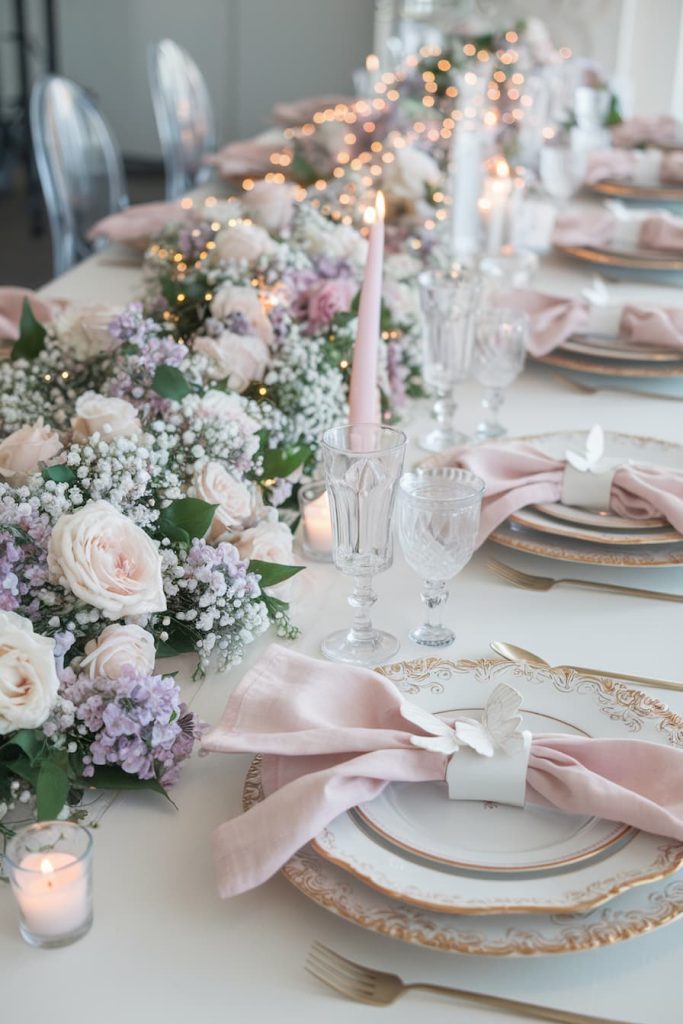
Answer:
(500, 779)
(648, 166)
(627, 225)
(591, 489)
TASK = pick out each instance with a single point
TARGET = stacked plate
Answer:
(660, 194)
(571, 534)
(652, 266)
(598, 362)
(483, 878)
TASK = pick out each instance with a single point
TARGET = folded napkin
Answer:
(641, 167)
(641, 131)
(554, 319)
(334, 736)
(518, 474)
(137, 225)
(298, 112)
(11, 305)
(620, 229)
(247, 157)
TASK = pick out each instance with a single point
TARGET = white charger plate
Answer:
(467, 857)
(628, 915)
(606, 520)
(602, 347)
(533, 519)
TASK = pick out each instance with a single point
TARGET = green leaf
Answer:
(52, 786)
(185, 518)
(280, 462)
(24, 769)
(109, 777)
(181, 640)
(272, 572)
(29, 740)
(31, 335)
(169, 382)
(60, 474)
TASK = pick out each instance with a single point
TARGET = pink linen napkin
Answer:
(298, 112)
(517, 474)
(553, 319)
(598, 228)
(247, 157)
(334, 736)
(11, 304)
(639, 131)
(622, 165)
(137, 225)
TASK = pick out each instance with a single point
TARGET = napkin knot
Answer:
(487, 757)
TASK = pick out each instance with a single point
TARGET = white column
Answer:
(650, 56)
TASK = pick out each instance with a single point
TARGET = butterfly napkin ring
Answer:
(488, 757)
(588, 475)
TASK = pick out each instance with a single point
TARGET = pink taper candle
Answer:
(363, 405)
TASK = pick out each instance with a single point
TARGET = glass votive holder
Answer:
(316, 521)
(49, 866)
(511, 268)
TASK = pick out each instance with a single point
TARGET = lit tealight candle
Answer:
(495, 203)
(317, 527)
(51, 884)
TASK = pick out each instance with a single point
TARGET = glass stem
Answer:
(491, 402)
(434, 595)
(361, 600)
(444, 412)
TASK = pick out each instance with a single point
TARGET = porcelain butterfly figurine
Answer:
(500, 726)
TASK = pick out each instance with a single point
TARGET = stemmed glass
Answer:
(438, 521)
(446, 299)
(498, 359)
(363, 464)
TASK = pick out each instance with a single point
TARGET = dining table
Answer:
(174, 951)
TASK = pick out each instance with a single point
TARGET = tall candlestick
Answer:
(465, 174)
(363, 405)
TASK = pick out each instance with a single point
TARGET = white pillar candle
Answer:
(317, 526)
(465, 174)
(52, 893)
(495, 204)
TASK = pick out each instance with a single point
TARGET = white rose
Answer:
(409, 174)
(22, 452)
(233, 299)
(107, 561)
(28, 676)
(84, 330)
(242, 242)
(401, 300)
(235, 500)
(108, 417)
(118, 647)
(270, 205)
(268, 541)
(237, 358)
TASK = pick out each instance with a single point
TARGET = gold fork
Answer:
(379, 988)
(529, 582)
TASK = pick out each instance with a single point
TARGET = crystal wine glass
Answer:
(446, 299)
(438, 521)
(363, 464)
(499, 353)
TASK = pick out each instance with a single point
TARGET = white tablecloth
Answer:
(165, 948)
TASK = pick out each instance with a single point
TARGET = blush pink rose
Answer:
(242, 243)
(118, 647)
(237, 358)
(329, 297)
(108, 417)
(270, 205)
(232, 298)
(22, 452)
(234, 499)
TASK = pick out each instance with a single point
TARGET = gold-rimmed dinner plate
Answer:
(662, 193)
(567, 549)
(645, 260)
(601, 347)
(611, 367)
(588, 517)
(534, 519)
(467, 857)
(634, 912)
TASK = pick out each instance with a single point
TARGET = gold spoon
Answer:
(510, 652)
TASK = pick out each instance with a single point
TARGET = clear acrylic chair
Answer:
(184, 116)
(79, 165)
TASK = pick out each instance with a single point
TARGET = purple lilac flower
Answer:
(24, 535)
(397, 374)
(138, 722)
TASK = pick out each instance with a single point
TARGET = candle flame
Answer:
(380, 205)
(502, 168)
(372, 62)
(369, 215)
(46, 866)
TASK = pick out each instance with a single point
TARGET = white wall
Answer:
(252, 52)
